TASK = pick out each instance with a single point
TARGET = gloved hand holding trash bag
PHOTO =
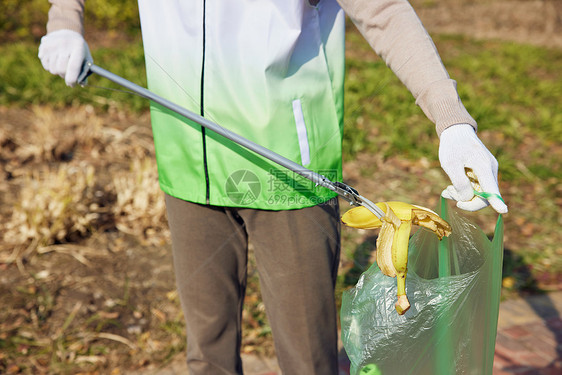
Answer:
(461, 149)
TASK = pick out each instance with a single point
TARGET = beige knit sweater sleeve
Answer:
(397, 35)
(66, 14)
(393, 30)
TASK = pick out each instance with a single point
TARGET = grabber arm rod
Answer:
(345, 191)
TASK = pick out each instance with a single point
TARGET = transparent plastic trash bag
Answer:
(454, 288)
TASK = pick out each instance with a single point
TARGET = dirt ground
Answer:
(106, 301)
(534, 22)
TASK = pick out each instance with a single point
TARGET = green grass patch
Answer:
(23, 81)
(508, 85)
(513, 91)
(26, 20)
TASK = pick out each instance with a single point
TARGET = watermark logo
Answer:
(242, 187)
(288, 181)
(282, 188)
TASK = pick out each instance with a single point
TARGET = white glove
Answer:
(63, 52)
(460, 148)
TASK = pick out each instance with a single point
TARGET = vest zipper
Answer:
(202, 111)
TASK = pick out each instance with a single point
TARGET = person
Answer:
(273, 72)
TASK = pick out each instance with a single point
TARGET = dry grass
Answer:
(82, 214)
(139, 208)
(73, 175)
(55, 205)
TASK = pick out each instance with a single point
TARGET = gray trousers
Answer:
(297, 256)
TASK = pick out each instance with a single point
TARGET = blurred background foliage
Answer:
(25, 20)
(113, 33)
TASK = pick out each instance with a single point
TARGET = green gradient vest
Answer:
(271, 71)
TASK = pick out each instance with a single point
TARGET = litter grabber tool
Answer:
(345, 191)
(395, 219)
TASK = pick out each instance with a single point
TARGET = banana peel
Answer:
(394, 237)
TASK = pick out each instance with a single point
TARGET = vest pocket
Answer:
(302, 133)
